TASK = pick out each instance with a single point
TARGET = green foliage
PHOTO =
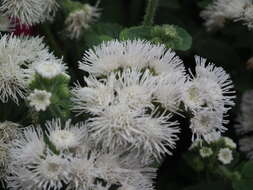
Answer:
(171, 36)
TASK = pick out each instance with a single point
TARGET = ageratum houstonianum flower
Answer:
(225, 156)
(29, 12)
(118, 104)
(211, 87)
(39, 99)
(80, 19)
(18, 60)
(162, 63)
(115, 55)
(219, 11)
(32, 164)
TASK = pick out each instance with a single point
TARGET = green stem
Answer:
(150, 12)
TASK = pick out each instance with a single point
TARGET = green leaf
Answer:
(171, 36)
(247, 170)
(143, 32)
(186, 42)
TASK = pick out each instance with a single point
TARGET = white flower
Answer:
(225, 156)
(39, 99)
(205, 152)
(95, 98)
(66, 136)
(114, 55)
(29, 11)
(83, 172)
(205, 122)
(169, 90)
(32, 165)
(245, 117)
(120, 126)
(117, 168)
(221, 10)
(80, 19)
(129, 87)
(17, 56)
(49, 69)
(211, 87)
(229, 143)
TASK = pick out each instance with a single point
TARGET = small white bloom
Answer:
(67, 136)
(225, 156)
(205, 152)
(80, 19)
(229, 143)
(39, 99)
(205, 122)
(49, 69)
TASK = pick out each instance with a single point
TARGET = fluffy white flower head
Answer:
(80, 19)
(29, 12)
(39, 99)
(205, 122)
(221, 10)
(49, 69)
(225, 156)
(211, 87)
(115, 55)
(16, 58)
(67, 136)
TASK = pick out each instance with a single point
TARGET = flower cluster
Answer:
(219, 11)
(218, 151)
(133, 89)
(20, 58)
(68, 158)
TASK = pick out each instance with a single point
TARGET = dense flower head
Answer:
(39, 99)
(18, 56)
(33, 163)
(115, 55)
(119, 104)
(219, 11)
(29, 12)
